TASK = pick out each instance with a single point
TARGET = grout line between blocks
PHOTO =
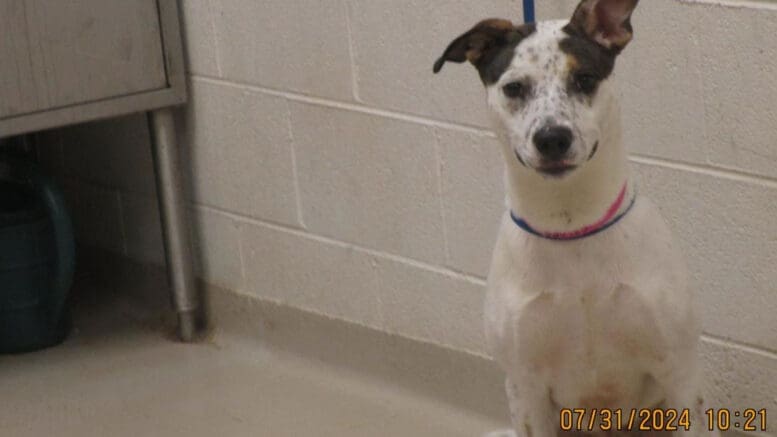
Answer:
(241, 257)
(352, 53)
(724, 342)
(214, 29)
(440, 195)
(734, 4)
(347, 106)
(708, 170)
(294, 170)
(331, 241)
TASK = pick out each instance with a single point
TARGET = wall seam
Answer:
(352, 53)
(294, 167)
(214, 29)
(319, 101)
(440, 167)
(471, 279)
(241, 255)
(739, 345)
(733, 4)
(707, 170)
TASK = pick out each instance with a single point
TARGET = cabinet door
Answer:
(60, 53)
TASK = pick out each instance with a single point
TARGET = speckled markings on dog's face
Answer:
(563, 78)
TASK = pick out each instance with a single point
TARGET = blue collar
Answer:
(609, 220)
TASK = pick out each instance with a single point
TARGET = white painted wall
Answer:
(332, 171)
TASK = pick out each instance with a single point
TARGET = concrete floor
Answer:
(120, 374)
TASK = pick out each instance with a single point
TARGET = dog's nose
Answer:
(553, 141)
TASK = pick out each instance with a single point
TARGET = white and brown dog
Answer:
(588, 307)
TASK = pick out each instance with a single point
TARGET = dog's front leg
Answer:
(531, 409)
(683, 392)
(685, 398)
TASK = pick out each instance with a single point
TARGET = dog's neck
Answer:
(578, 200)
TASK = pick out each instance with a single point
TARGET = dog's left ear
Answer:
(608, 22)
(481, 44)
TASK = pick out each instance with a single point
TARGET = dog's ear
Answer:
(482, 43)
(608, 22)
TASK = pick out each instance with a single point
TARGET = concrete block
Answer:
(199, 36)
(294, 46)
(431, 306)
(217, 248)
(473, 198)
(726, 230)
(737, 378)
(396, 43)
(330, 279)
(238, 150)
(369, 180)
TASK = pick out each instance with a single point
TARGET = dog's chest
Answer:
(589, 318)
(591, 347)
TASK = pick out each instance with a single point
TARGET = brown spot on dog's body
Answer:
(527, 427)
(607, 395)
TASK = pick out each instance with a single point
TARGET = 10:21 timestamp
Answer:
(746, 420)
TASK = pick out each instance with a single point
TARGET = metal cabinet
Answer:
(69, 61)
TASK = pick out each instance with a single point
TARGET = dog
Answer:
(588, 306)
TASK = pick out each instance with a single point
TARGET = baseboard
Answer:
(468, 381)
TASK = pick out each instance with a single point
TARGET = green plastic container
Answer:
(37, 259)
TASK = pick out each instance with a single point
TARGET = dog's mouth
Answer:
(555, 169)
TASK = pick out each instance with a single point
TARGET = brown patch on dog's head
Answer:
(573, 64)
(607, 22)
(489, 46)
(598, 32)
(587, 59)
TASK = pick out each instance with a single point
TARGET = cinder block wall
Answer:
(330, 170)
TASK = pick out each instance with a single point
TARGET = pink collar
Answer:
(610, 218)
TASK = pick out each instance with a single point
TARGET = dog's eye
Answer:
(585, 83)
(516, 90)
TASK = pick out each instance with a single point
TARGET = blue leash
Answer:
(528, 11)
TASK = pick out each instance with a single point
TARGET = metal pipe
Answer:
(175, 224)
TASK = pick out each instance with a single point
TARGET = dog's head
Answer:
(547, 84)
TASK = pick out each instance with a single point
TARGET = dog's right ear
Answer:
(607, 22)
(482, 43)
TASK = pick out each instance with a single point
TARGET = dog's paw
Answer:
(501, 433)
